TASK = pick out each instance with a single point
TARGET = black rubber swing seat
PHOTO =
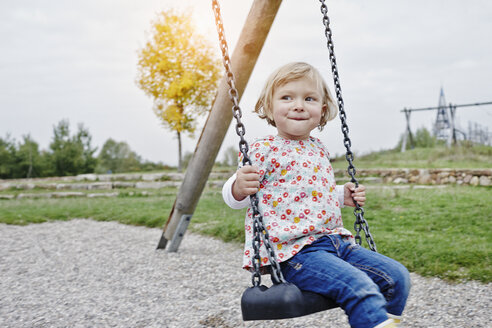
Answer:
(281, 301)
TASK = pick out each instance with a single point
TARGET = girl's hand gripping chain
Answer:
(247, 182)
(350, 193)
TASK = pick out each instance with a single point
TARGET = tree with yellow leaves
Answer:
(180, 71)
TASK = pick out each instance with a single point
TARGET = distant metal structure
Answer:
(478, 133)
(444, 126)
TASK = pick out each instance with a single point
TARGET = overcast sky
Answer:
(77, 60)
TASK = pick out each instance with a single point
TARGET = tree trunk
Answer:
(180, 163)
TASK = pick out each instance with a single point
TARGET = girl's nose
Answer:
(298, 106)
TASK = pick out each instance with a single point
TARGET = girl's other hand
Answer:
(350, 193)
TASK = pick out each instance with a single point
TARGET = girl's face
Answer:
(297, 107)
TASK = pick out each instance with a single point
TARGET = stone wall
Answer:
(473, 177)
(72, 185)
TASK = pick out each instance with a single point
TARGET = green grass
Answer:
(151, 211)
(441, 232)
(435, 232)
(465, 157)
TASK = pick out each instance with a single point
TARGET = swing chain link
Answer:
(260, 234)
(360, 222)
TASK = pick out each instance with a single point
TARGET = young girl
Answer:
(301, 203)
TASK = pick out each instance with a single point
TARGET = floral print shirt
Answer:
(296, 197)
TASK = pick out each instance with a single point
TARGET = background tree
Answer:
(117, 157)
(231, 156)
(180, 71)
(84, 139)
(422, 138)
(71, 155)
(22, 159)
(7, 157)
(29, 163)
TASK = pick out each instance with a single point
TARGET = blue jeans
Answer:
(365, 284)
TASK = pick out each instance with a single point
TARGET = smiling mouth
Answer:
(297, 118)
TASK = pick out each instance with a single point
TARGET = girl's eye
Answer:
(286, 98)
(310, 99)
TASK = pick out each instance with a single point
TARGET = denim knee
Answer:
(391, 276)
(364, 304)
(401, 289)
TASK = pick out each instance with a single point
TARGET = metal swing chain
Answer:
(259, 231)
(360, 222)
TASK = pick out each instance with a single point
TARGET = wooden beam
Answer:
(246, 52)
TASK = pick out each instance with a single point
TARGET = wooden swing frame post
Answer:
(244, 57)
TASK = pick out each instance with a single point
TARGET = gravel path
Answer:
(83, 273)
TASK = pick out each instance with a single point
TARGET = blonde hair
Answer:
(292, 72)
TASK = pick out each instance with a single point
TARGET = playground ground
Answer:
(83, 273)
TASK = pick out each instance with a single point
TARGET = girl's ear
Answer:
(324, 113)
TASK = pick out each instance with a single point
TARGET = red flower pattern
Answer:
(296, 213)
